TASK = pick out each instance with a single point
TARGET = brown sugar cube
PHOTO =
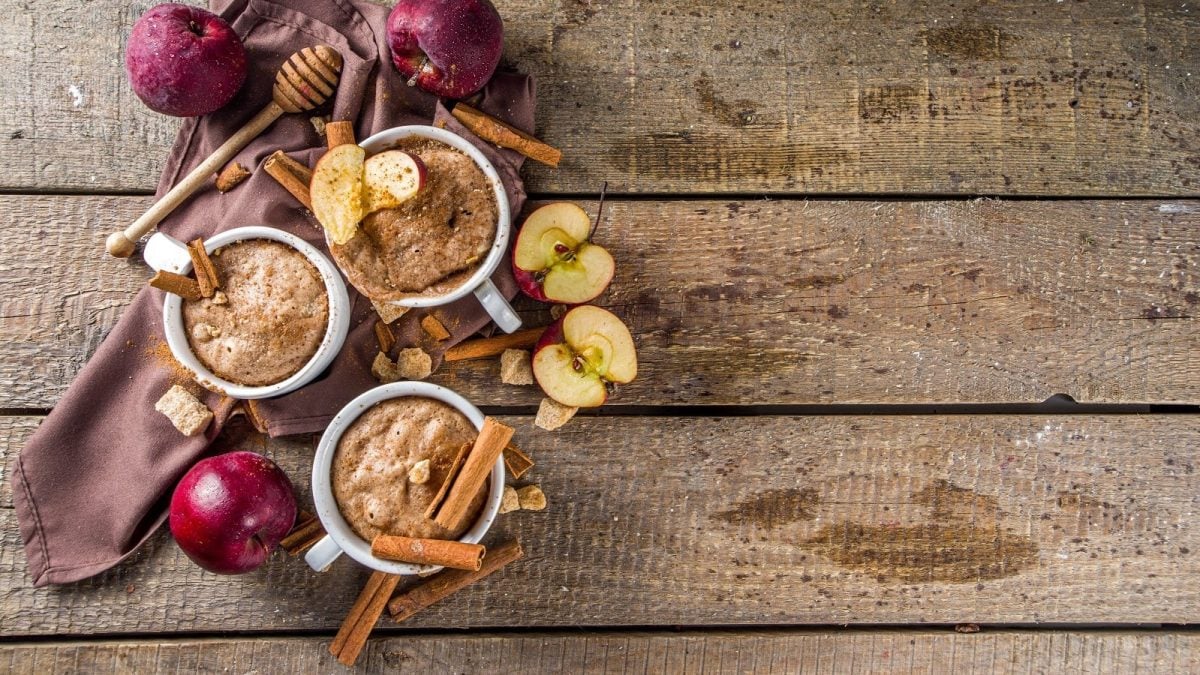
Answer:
(435, 328)
(318, 123)
(515, 367)
(531, 498)
(388, 312)
(510, 501)
(551, 414)
(384, 369)
(414, 364)
(230, 176)
(185, 411)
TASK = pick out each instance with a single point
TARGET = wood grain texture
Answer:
(848, 96)
(789, 651)
(764, 302)
(748, 520)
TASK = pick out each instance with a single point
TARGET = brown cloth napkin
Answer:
(94, 480)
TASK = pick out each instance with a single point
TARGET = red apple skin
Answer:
(184, 61)
(551, 336)
(229, 512)
(528, 284)
(462, 40)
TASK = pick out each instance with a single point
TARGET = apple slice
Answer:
(391, 178)
(581, 354)
(336, 191)
(553, 261)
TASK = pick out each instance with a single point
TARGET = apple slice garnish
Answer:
(582, 354)
(553, 260)
(391, 178)
(336, 191)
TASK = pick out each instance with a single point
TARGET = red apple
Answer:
(582, 354)
(230, 511)
(447, 47)
(553, 260)
(184, 61)
(391, 178)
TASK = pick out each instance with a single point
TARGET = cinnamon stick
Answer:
(339, 133)
(483, 348)
(441, 552)
(184, 287)
(292, 175)
(434, 328)
(384, 336)
(444, 490)
(357, 626)
(417, 598)
(308, 531)
(489, 444)
(505, 135)
(516, 461)
(229, 178)
(202, 265)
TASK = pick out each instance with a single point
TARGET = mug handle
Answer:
(495, 305)
(165, 253)
(322, 554)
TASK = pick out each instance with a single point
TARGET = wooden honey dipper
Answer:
(306, 80)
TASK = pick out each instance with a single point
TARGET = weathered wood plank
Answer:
(764, 302)
(750, 520)
(848, 96)
(784, 651)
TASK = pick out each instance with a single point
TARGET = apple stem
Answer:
(599, 209)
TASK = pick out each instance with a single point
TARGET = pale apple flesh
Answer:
(553, 261)
(581, 354)
(336, 191)
(391, 178)
(574, 281)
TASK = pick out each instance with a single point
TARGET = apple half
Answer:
(581, 355)
(391, 178)
(336, 191)
(553, 260)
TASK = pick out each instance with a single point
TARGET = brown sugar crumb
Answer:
(516, 367)
(232, 175)
(185, 411)
(531, 498)
(510, 501)
(551, 414)
(384, 369)
(414, 364)
(434, 328)
(419, 474)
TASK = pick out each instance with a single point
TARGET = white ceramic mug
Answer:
(164, 252)
(480, 283)
(339, 537)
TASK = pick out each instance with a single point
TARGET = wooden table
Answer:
(835, 451)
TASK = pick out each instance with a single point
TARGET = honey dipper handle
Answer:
(121, 244)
